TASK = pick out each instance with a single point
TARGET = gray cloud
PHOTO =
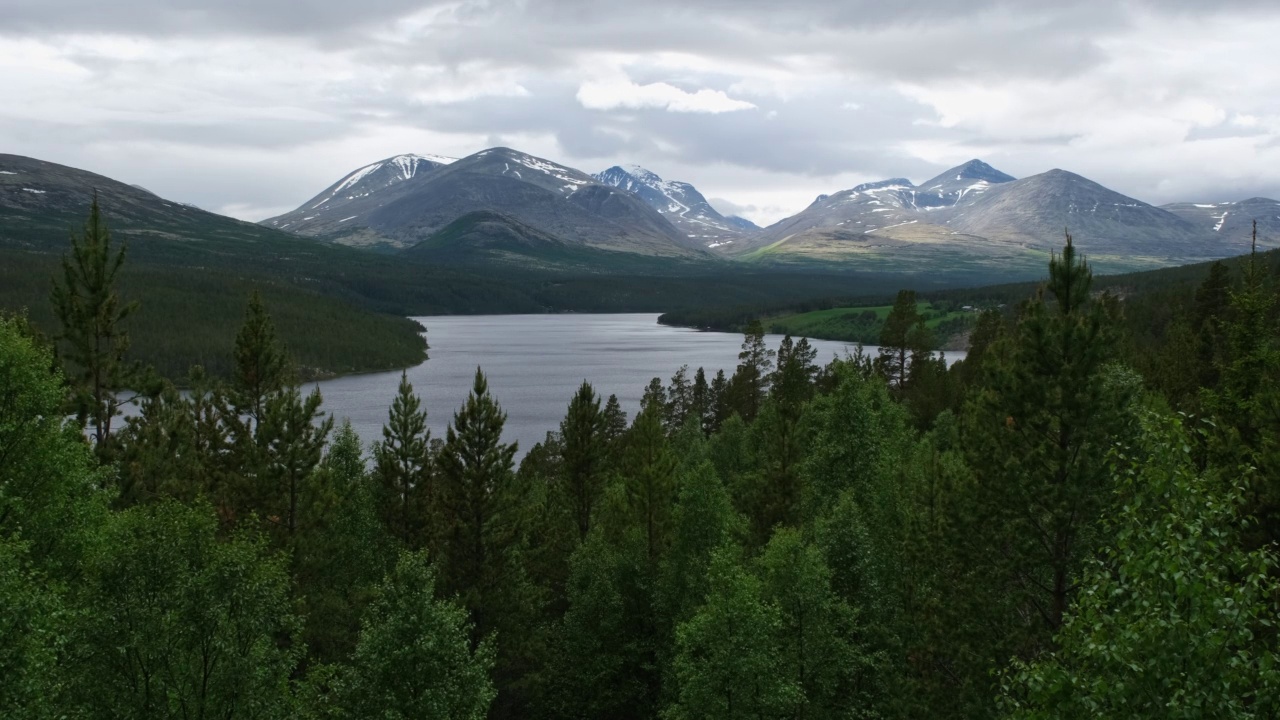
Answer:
(274, 100)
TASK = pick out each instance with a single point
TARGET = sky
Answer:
(250, 107)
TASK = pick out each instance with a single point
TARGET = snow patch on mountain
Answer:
(679, 202)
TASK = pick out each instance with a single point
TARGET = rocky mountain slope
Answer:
(373, 207)
(975, 214)
(1230, 224)
(680, 203)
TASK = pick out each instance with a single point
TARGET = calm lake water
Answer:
(535, 363)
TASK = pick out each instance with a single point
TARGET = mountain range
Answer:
(504, 205)
(403, 201)
(970, 217)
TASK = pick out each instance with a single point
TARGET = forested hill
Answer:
(1149, 296)
(1055, 527)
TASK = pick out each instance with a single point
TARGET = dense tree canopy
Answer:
(1078, 520)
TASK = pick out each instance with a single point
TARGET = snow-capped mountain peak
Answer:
(679, 202)
(360, 183)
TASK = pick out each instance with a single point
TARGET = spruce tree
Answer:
(585, 453)
(402, 467)
(93, 336)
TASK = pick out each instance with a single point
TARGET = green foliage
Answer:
(49, 495)
(262, 366)
(818, 633)
(648, 477)
(182, 624)
(1048, 417)
(403, 469)
(1174, 619)
(479, 495)
(92, 334)
(585, 447)
(797, 542)
(414, 658)
(342, 552)
(606, 664)
(32, 639)
(747, 388)
(703, 519)
(726, 665)
(899, 338)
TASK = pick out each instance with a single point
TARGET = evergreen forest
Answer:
(1078, 520)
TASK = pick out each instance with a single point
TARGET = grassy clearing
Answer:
(863, 324)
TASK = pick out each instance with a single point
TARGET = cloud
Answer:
(614, 95)
(253, 105)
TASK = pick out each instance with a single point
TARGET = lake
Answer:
(535, 363)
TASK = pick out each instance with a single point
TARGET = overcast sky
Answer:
(249, 107)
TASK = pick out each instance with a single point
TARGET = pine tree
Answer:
(750, 382)
(702, 401)
(402, 467)
(1246, 402)
(648, 472)
(1037, 436)
(615, 420)
(679, 400)
(655, 395)
(291, 443)
(720, 407)
(262, 365)
(986, 332)
(485, 515)
(792, 383)
(896, 338)
(480, 502)
(585, 448)
(93, 333)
